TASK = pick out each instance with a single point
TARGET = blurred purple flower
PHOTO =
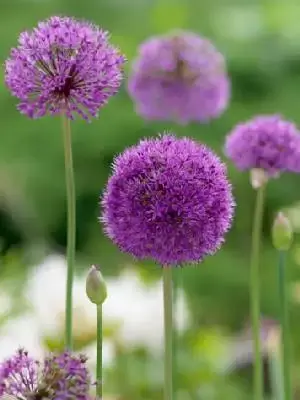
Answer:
(266, 142)
(168, 199)
(63, 66)
(179, 77)
(60, 377)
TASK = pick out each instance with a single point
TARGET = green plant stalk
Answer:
(284, 320)
(255, 295)
(71, 230)
(168, 328)
(275, 372)
(99, 376)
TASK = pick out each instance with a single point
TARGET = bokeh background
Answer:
(261, 42)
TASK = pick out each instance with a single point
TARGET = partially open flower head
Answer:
(59, 377)
(168, 199)
(266, 143)
(63, 66)
(179, 77)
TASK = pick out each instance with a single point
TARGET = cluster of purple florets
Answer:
(168, 199)
(64, 66)
(179, 77)
(58, 377)
(267, 142)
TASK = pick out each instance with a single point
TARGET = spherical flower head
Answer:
(59, 377)
(19, 375)
(179, 77)
(63, 66)
(266, 142)
(67, 376)
(168, 199)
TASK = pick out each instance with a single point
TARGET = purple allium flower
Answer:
(19, 375)
(67, 376)
(179, 77)
(63, 66)
(266, 142)
(168, 199)
(60, 377)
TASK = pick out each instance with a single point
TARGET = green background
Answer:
(261, 42)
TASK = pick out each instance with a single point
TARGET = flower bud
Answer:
(282, 232)
(95, 286)
(258, 177)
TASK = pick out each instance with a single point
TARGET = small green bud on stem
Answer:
(95, 286)
(282, 232)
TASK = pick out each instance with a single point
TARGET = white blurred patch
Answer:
(108, 355)
(136, 308)
(20, 332)
(45, 293)
(5, 302)
(139, 309)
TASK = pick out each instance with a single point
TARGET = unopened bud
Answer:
(282, 232)
(258, 178)
(95, 286)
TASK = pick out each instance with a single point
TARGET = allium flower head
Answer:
(168, 199)
(63, 66)
(179, 77)
(266, 142)
(60, 377)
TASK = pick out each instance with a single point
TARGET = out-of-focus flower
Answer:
(266, 142)
(63, 66)
(63, 376)
(168, 199)
(137, 309)
(22, 331)
(179, 77)
(45, 294)
(132, 312)
(241, 349)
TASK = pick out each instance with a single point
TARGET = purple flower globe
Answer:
(60, 377)
(179, 77)
(63, 66)
(266, 142)
(169, 200)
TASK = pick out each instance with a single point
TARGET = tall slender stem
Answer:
(284, 319)
(99, 377)
(71, 236)
(168, 324)
(275, 371)
(255, 295)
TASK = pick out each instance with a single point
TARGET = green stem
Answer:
(168, 324)
(275, 372)
(255, 295)
(284, 319)
(99, 353)
(71, 237)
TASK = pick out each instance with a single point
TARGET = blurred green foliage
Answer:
(261, 41)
